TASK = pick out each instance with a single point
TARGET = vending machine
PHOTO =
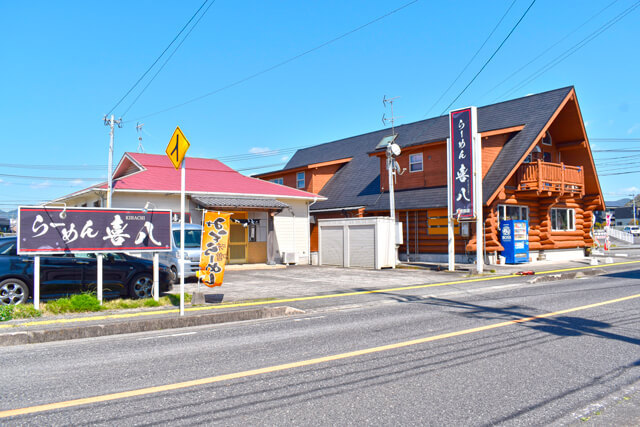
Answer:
(514, 236)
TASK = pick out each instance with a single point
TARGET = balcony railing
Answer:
(542, 176)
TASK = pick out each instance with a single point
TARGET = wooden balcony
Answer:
(556, 178)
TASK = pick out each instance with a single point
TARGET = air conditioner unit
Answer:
(290, 258)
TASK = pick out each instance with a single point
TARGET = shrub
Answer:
(85, 302)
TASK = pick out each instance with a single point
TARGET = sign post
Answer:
(176, 151)
(46, 231)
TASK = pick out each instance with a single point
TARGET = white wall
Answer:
(292, 229)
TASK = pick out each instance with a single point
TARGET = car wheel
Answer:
(13, 291)
(174, 275)
(141, 286)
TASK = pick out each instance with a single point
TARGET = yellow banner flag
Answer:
(215, 239)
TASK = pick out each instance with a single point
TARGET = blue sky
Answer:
(66, 64)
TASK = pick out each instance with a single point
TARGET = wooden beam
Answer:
(501, 131)
(570, 145)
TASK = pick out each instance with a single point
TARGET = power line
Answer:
(52, 167)
(52, 178)
(472, 58)
(157, 59)
(169, 58)
(490, 58)
(278, 65)
(549, 48)
(573, 49)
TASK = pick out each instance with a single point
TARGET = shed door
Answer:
(332, 251)
(362, 246)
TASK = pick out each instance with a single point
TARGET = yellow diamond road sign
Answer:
(177, 148)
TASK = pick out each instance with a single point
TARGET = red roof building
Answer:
(150, 180)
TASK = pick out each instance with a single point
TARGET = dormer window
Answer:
(278, 181)
(546, 139)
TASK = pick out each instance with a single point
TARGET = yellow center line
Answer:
(298, 299)
(286, 366)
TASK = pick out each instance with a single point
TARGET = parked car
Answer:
(192, 242)
(60, 275)
(633, 229)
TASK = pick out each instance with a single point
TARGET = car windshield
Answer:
(192, 238)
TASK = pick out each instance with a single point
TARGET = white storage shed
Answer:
(357, 242)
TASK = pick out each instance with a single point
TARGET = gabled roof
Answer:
(358, 182)
(138, 172)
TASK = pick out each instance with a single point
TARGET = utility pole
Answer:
(111, 122)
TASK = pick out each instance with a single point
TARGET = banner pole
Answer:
(182, 182)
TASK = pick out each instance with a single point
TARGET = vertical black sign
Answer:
(461, 164)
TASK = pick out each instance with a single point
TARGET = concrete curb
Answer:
(141, 325)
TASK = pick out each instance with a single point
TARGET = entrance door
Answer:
(238, 239)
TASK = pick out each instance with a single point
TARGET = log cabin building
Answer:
(536, 165)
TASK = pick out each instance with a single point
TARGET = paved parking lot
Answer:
(302, 280)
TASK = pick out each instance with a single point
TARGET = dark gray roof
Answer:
(357, 183)
(238, 202)
(625, 212)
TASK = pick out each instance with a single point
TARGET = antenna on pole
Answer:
(139, 130)
(393, 118)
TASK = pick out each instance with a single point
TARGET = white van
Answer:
(192, 242)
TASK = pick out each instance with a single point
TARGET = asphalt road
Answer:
(459, 356)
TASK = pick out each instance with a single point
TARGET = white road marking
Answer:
(167, 336)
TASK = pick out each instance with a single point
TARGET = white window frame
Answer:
(502, 211)
(300, 179)
(278, 181)
(569, 218)
(413, 162)
(550, 139)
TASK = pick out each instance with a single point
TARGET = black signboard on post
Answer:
(461, 169)
(47, 230)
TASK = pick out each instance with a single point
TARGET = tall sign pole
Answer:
(464, 177)
(176, 150)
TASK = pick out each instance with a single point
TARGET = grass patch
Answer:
(80, 303)
(22, 311)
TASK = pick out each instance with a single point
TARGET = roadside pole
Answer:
(182, 181)
(36, 282)
(178, 146)
(477, 170)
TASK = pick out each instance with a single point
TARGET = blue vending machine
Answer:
(514, 236)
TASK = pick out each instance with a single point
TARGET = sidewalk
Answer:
(249, 294)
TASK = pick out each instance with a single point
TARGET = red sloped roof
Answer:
(202, 176)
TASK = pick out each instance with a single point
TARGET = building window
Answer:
(534, 155)
(300, 180)
(506, 212)
(563, 219)
(415, 162)
(278, 181)
(546, 139)
(96, 204)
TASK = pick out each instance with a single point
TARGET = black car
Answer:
(60, 275)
